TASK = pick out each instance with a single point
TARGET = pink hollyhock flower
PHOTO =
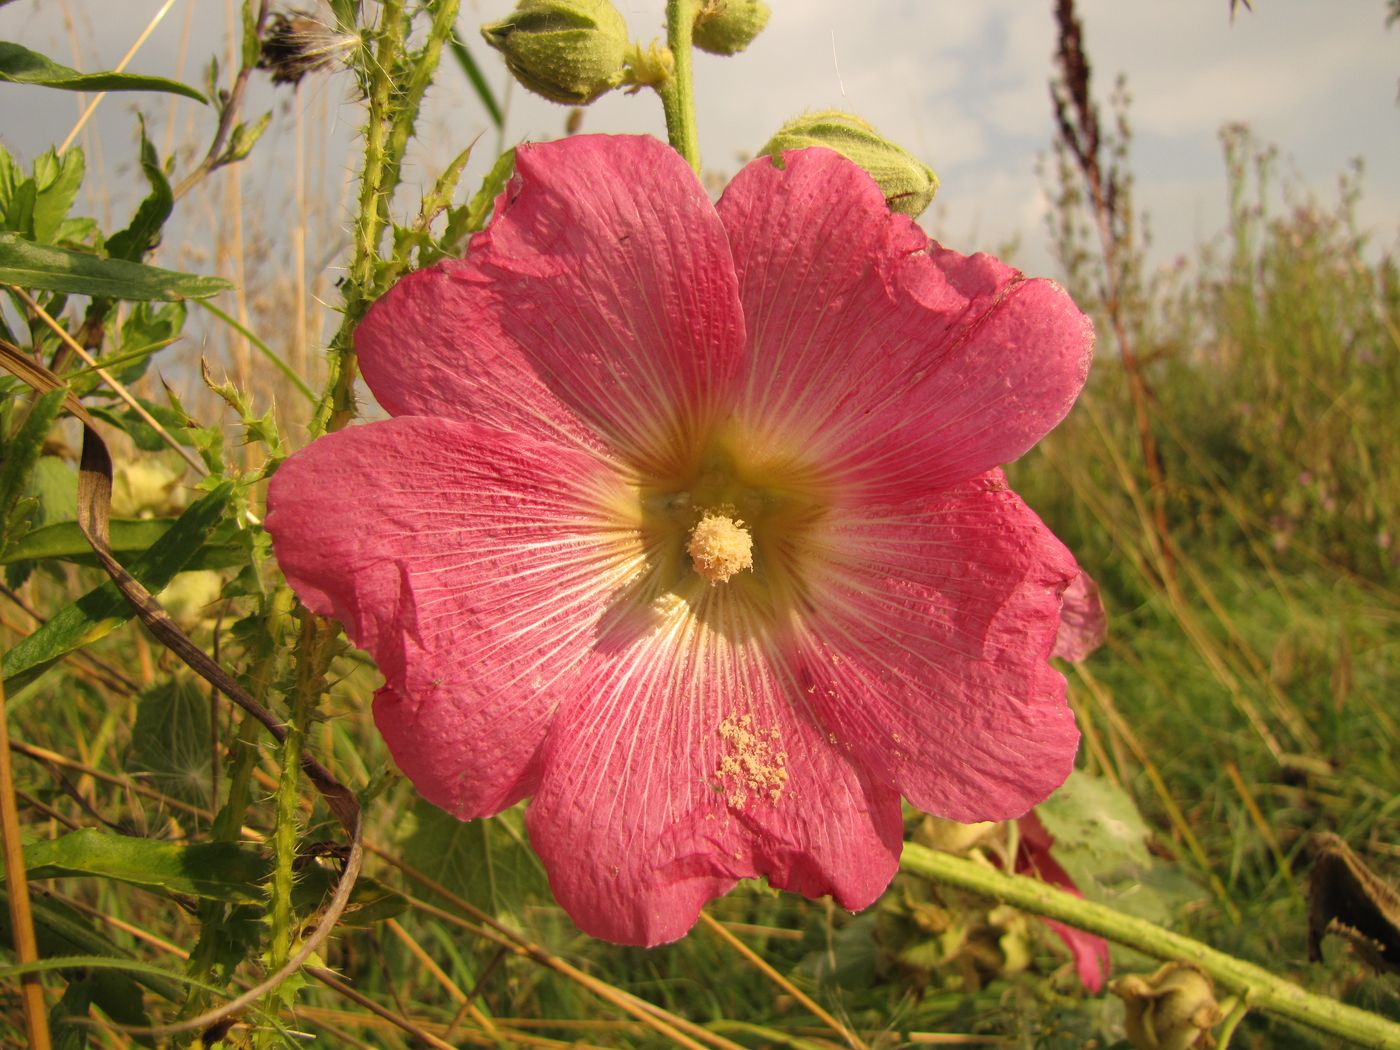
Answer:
(689, 525)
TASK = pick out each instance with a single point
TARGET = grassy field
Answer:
(1232, 484)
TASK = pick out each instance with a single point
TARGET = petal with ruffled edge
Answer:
(1083, 622)
(692, 761)
(601, 300)
(927, 643)
(473, 565)
(896, 365)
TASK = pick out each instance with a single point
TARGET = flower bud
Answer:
(726, 27)
(907, 183)
(1174, 1009)
(569, 51)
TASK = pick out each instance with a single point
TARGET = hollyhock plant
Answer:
(688, 524)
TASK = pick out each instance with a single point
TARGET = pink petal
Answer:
(893, 362)
(472, 564)
(1090, 952)
(1083, 622)
(928, 644)
(602, 289)
(647, 808)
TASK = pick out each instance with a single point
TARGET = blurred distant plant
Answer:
(1093, 175)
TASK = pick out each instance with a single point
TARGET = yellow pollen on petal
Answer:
(754, 765)
(719, 547)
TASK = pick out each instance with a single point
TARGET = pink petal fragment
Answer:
(472, 564)
(927, 649)
(689, 762)
(1083, 622)
(895, 363)
(602, 289)
(1090, 952)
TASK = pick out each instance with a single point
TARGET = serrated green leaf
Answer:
(54, 484)
(102, 609)
(51, 269)
(19, 65)
(57, 181)
(486, 861)
(143, 232)
(1090, 813)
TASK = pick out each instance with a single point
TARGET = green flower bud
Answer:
(569, 51)
(726, 27)
(1174, 1009)
(907, 183)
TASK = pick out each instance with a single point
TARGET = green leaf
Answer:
(10, 178)
(50, 269)
(229, 872)
(143, 233)
(19, 65)
(103, 609)
(170, 740)
(21, 453)
(224, 871)
(486, 861)
(1089, 814)
(57, 181)
(479, 209)
(65, 540)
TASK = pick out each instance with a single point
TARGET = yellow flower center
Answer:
(720, 547)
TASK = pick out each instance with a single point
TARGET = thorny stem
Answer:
(678, 93)
(308, 680)
(1253, 984)
(393, 107)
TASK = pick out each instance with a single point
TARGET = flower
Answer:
(616, 361)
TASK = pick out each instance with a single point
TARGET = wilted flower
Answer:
(523, 548)
(296, 43)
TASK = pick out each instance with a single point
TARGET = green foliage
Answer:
(486, 862)
(51, 269)
(19, 65)
(103, 609)
(170, 740)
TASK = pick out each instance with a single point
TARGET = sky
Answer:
(962, 85)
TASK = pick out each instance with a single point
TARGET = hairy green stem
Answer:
(337, 405)
(1255, 986)
(395, 85)
(285, 831)
(678, 93)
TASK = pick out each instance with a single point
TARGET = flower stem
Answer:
(1253, 984)
(678, 93)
